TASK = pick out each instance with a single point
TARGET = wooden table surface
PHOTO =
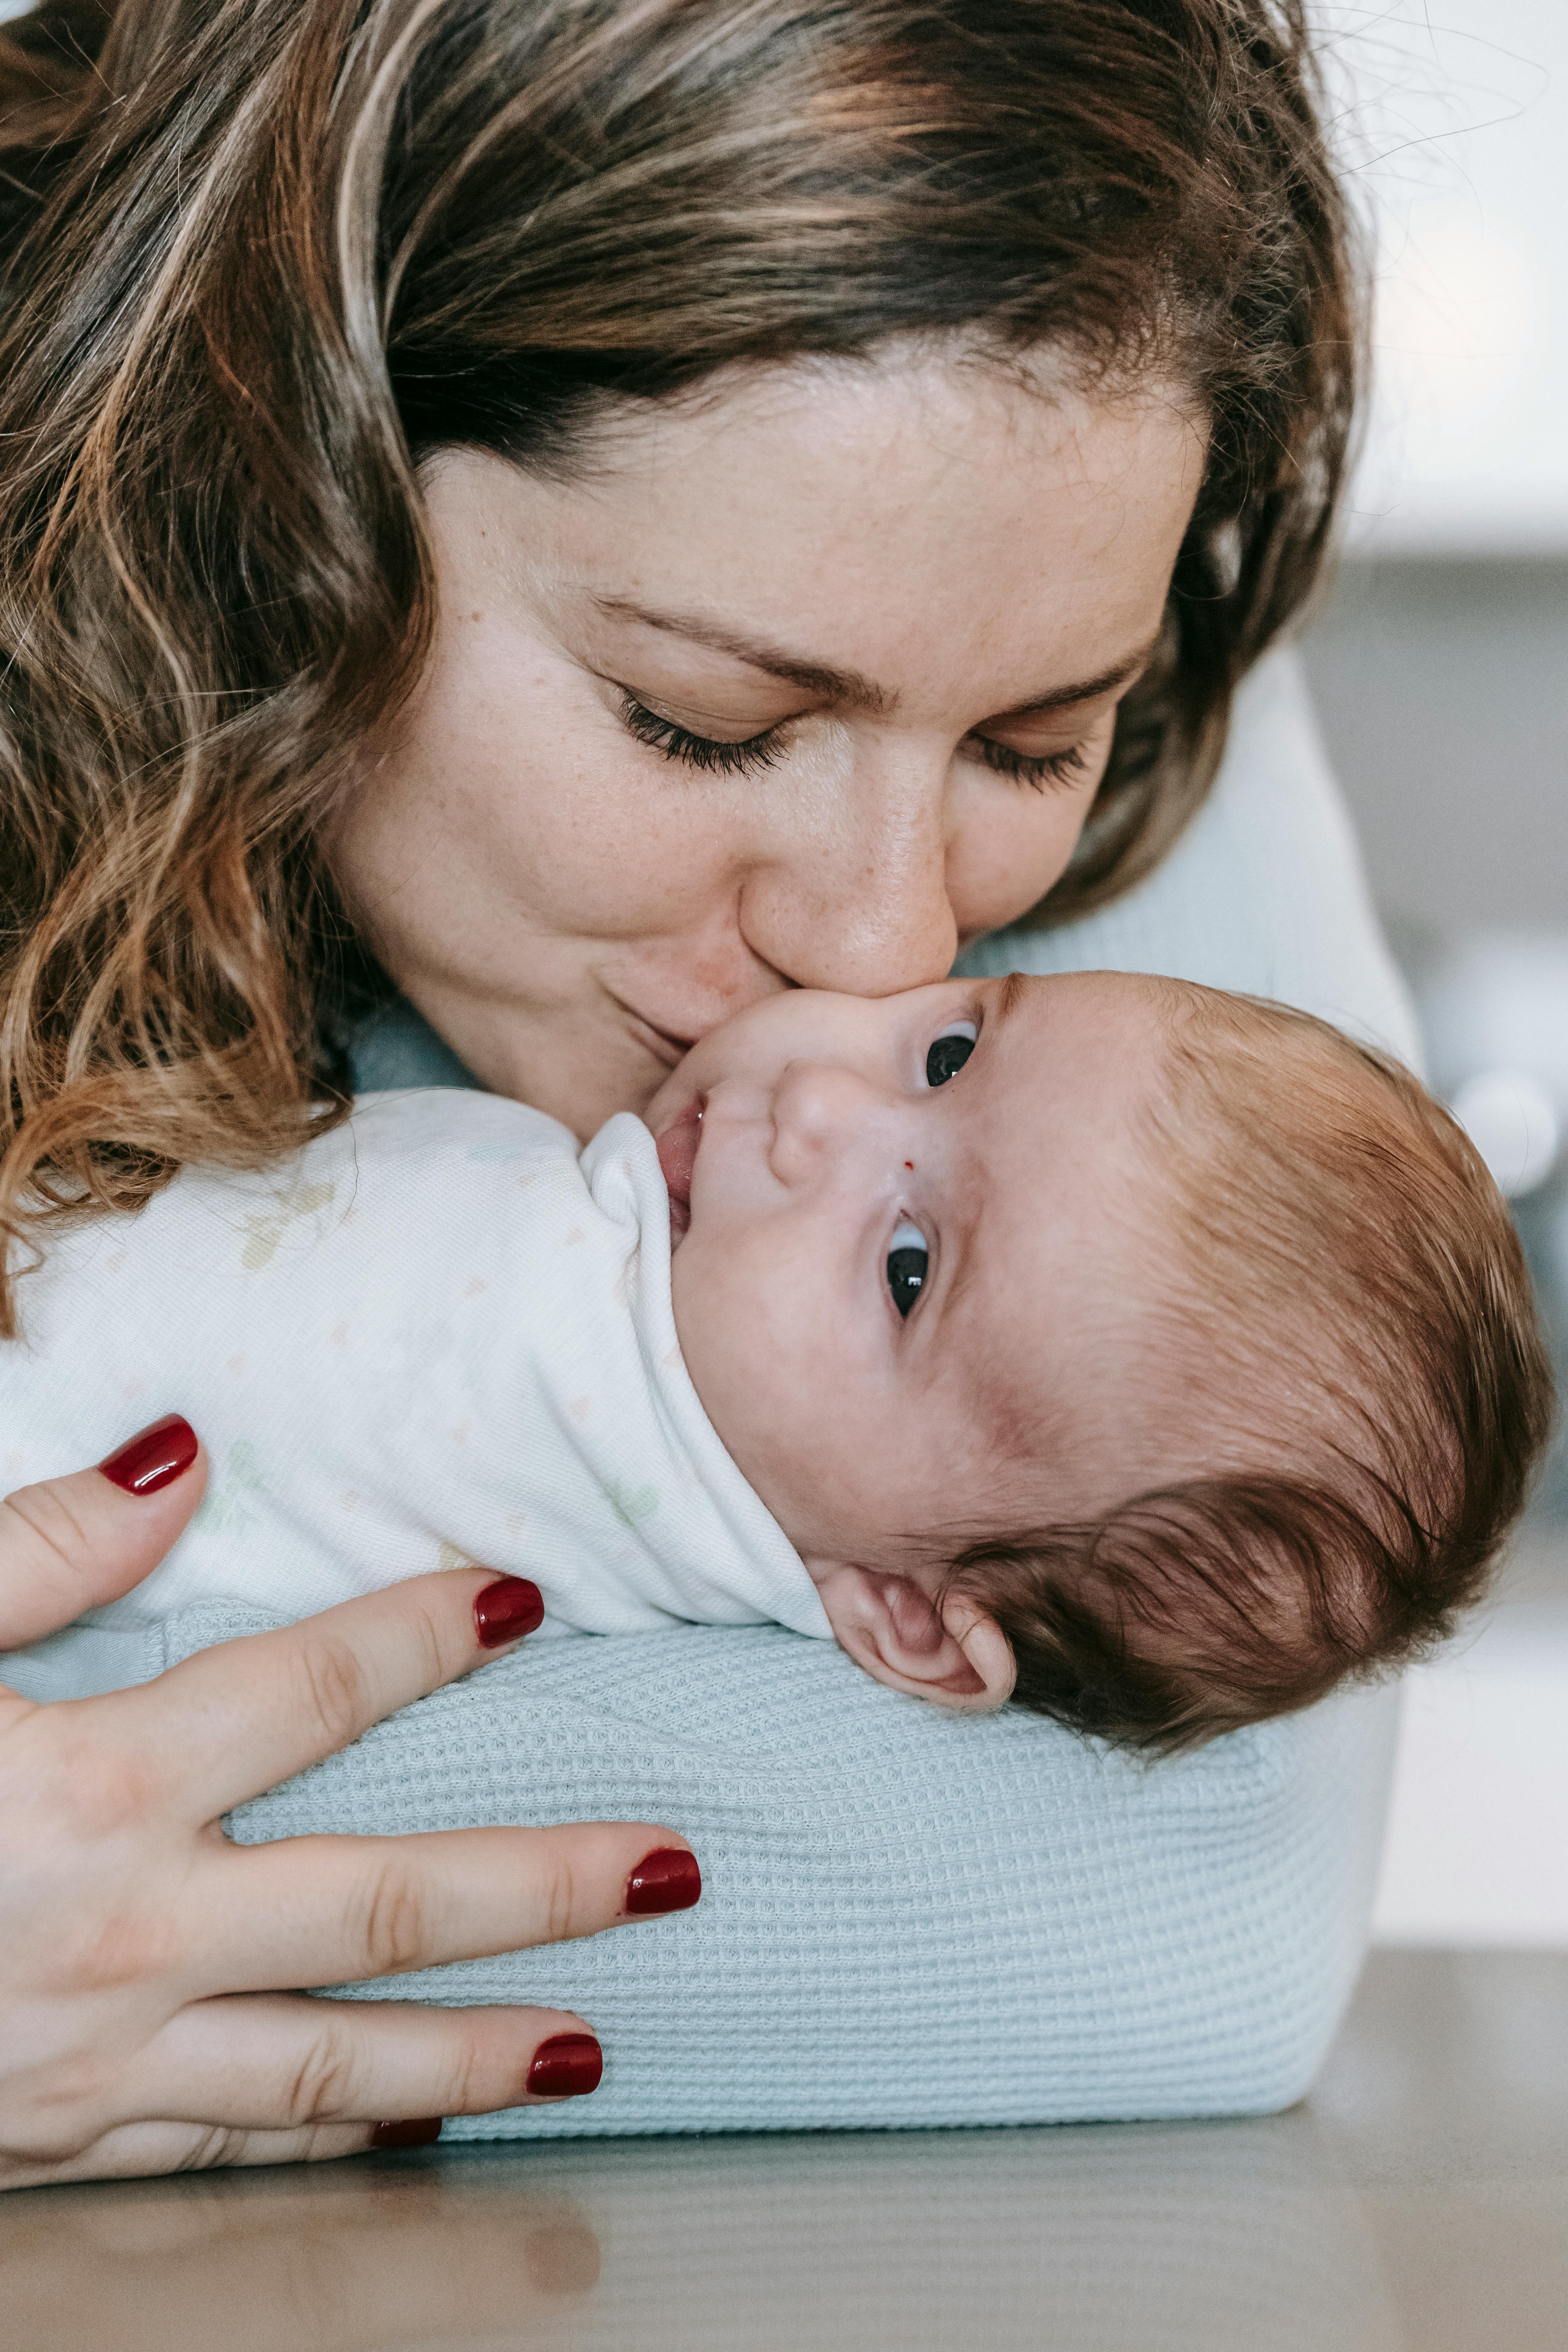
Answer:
(1418, 2202)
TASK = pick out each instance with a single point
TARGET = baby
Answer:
(1153, 1358)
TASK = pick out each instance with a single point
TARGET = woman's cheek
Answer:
(1003, 861)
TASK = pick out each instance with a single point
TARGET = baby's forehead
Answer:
(1052, 1298)
(1078, 1060)
(1152, 1249)
(1140, 1000)
(1075, 1201)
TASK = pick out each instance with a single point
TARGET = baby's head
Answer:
(1153, 1357)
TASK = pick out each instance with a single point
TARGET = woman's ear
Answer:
(958, 1655)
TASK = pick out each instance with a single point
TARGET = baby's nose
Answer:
(820, 1110)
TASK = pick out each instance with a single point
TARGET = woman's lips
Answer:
(677, 1157)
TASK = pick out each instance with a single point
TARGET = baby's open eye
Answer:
(908, 1259)
(946, 1055)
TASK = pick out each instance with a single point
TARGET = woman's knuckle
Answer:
(394, 1935)
(96, 1794)
(435, 1641)
(211, 2146)
(560, 1897)
(322, 2087)
(56, 1536)
(59, 2111)
(333, 1689)
(129, 1944)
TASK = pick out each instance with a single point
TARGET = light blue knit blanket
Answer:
(911, 1920)
(908, 1917)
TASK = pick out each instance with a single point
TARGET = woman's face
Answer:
(805, 683)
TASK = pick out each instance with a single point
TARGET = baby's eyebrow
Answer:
(1009, 996)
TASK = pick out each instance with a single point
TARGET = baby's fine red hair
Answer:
(1348, 1300)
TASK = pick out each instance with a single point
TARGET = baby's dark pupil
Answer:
(946, 1059)
(906, 1276)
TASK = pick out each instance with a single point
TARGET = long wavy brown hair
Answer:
(259, 256)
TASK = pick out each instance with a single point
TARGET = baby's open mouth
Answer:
(677, 1158)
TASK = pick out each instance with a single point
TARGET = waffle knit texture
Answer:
(908, 1917)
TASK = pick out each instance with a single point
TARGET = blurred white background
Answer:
(1454, 124)
(1440, 664)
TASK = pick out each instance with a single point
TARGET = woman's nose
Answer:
(857, 902)
(821, 1111)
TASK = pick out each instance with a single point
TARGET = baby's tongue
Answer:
(677, 1157)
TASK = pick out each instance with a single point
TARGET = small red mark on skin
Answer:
(911, 1166)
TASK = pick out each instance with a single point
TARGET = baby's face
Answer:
(904, 1227)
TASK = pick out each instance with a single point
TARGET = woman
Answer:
(571, 518)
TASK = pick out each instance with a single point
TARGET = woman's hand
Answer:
(148, 2022)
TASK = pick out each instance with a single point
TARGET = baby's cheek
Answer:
(719, 1316)
(752, 1343)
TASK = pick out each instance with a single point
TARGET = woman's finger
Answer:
(287, 2064)
(136, 2151)
(334, 1910)
(70, 1544)
(238, 1718)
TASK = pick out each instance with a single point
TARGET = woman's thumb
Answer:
(70, 1544)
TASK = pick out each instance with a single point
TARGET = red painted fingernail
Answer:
(567, 2066)
(420, 2133)
(667, 1880)
(507, 1610)
(156, 1458)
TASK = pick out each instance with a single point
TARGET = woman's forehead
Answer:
(853, 542)
(866, 439)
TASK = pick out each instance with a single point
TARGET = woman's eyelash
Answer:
(1052, 768)
(749, 757)
(745, 759)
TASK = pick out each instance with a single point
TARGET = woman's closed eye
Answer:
(909, 1261)
(713, 756)
(1041, 770)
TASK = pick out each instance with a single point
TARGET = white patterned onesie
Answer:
(440, 1334)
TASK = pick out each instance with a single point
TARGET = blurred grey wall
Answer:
(1442, 688)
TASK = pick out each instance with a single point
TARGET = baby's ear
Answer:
(959, 1657)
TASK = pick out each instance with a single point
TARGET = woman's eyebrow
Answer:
(849, 686)
(798, 669)
(1083, 689)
